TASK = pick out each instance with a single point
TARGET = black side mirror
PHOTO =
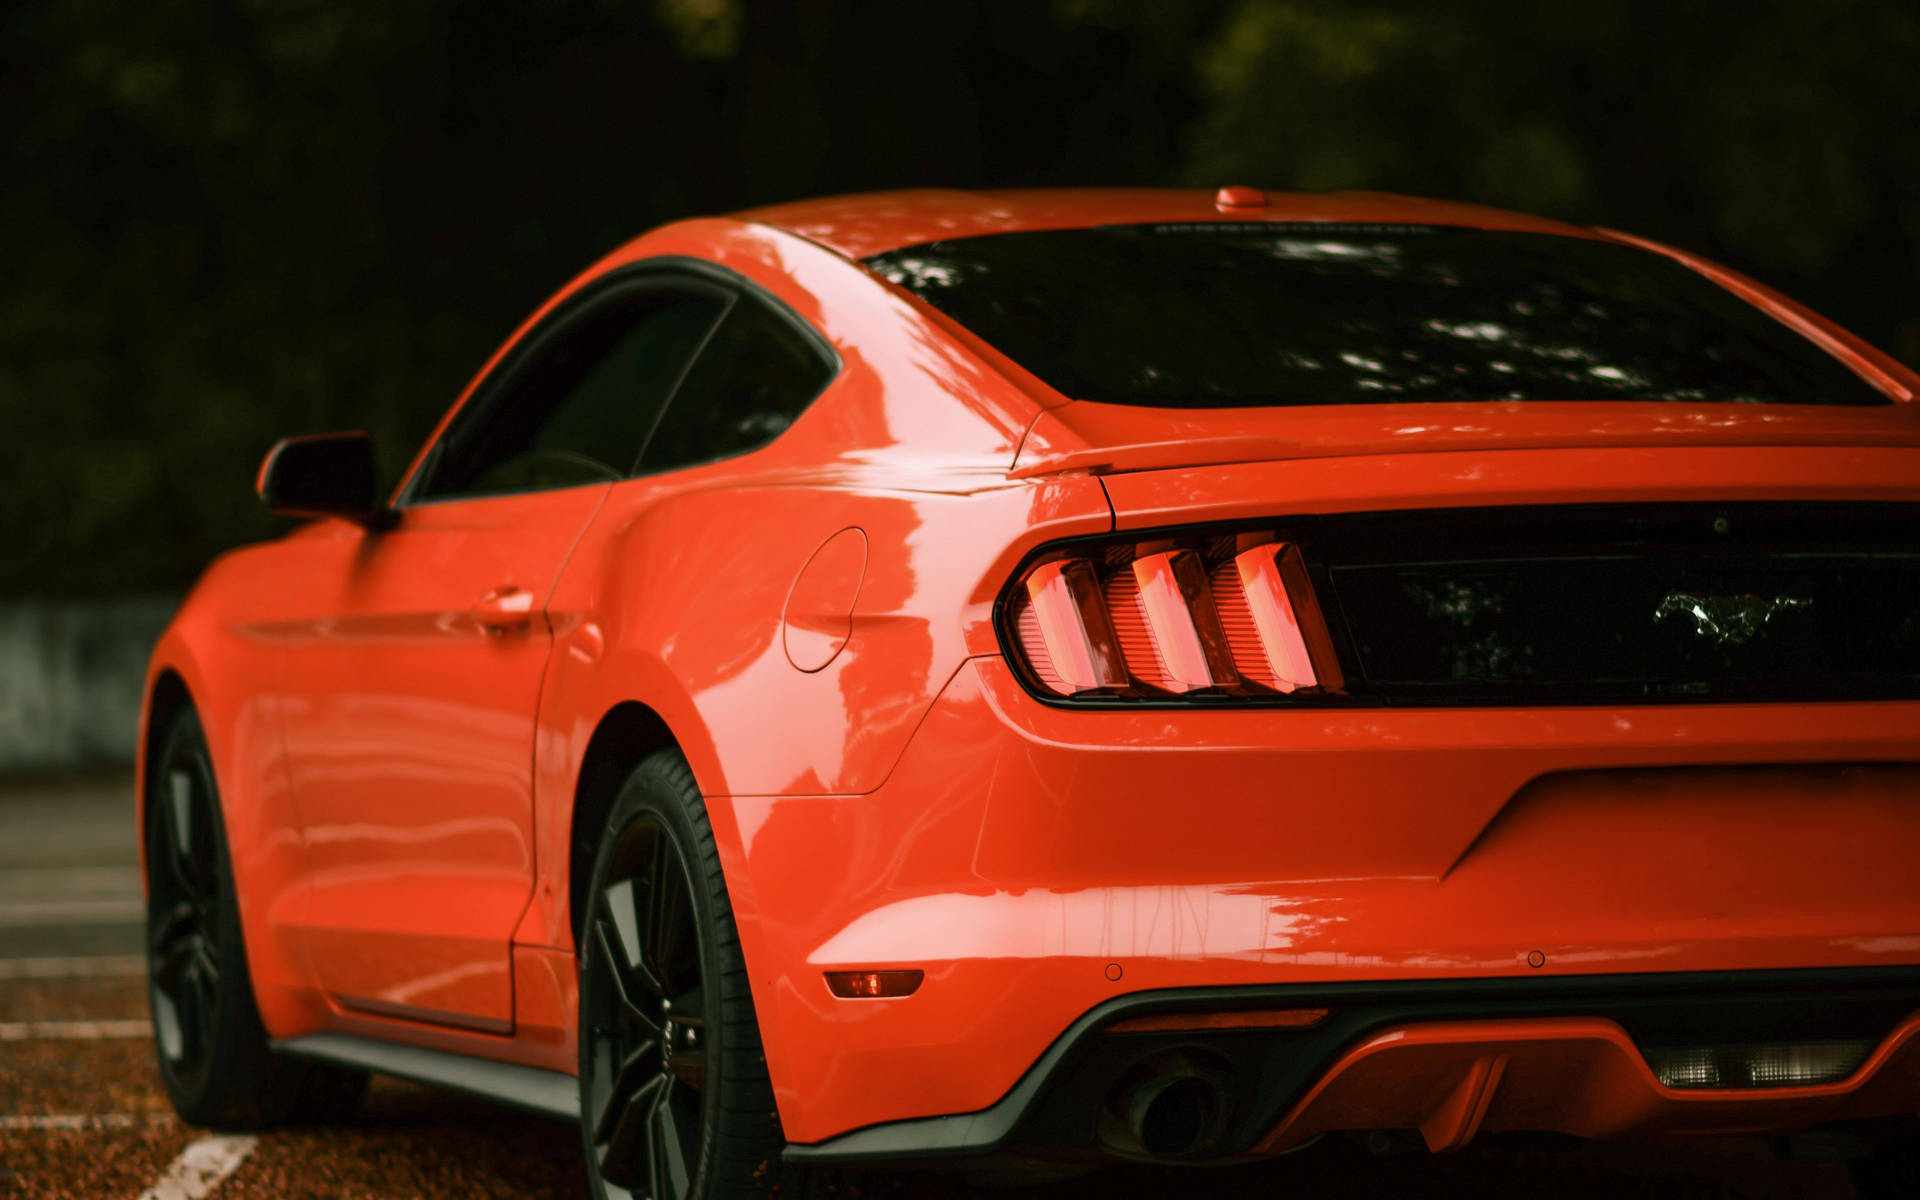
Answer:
(324, 475)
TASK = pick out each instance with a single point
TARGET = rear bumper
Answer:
(1444, 1060)
(1040, 864)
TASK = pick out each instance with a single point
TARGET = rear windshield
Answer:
(1258, 315)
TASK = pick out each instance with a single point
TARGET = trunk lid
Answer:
(1103, 439)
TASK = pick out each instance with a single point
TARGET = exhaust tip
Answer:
(1168, 1107)
(1171, 1116)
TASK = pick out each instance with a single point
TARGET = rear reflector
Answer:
(1216, 616)
(1785, 1064)
(856, 985)
(1280, 1018)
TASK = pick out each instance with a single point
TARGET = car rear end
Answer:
(1491, 710)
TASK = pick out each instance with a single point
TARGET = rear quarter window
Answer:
(758, 371)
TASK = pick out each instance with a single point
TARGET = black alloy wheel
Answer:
(186, 894)
(215, 1060)
(645, 1021)
(675, 1100)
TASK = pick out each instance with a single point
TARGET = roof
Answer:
(862, 225)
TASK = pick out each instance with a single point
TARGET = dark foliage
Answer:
(225, 220)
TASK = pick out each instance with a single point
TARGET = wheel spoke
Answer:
(167, 1027)
(597, 1083)
(635, 1074)
(188, 1002)
(656, 1157)
(626, 1143)
(209, 968)
(178, 824)
(673, 1147)
(169, 961)
(604, 944)
(623, 911)
(175, 927)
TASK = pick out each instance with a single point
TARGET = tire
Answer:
(212, 1048)
(670, 1053)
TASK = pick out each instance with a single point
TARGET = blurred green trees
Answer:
(224, 220)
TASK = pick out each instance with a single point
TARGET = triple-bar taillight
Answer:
(1223, 615)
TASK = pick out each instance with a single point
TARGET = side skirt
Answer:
(548, 1093)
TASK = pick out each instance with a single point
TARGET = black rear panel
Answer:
(1624, 603)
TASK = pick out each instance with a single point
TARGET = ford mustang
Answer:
(1039, 679)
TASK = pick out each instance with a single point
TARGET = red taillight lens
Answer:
(1226, 616)
(1183, 623)
(1075, 639)
(868, 985)
(1293, 637)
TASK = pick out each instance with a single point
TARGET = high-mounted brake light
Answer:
(1205, 615)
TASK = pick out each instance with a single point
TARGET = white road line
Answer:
(200, 1168)
(92, 966)
(81, 1120)
(72, 912)
(73, 1031)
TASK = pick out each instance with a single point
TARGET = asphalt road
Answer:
(82, 1113)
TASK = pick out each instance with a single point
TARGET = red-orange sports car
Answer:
(1038, 678)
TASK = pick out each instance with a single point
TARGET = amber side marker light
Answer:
(863, 985)
(1279, 1018)
(1221, 615)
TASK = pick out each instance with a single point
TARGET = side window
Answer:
(578, 408)
(756, 374)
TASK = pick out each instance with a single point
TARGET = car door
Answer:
(412, 694)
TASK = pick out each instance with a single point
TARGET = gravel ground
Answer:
(416, 1142)
(72, 999)
(84, 1165)
(85, 1077)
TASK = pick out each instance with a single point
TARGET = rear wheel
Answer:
(675, 1101)
(212, 1047)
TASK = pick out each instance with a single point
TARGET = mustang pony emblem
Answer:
(1727, 620)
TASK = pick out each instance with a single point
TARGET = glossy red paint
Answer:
(1238, 197)
(1257, 847)
(412, 674)
(398, 720)
(860, 226)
